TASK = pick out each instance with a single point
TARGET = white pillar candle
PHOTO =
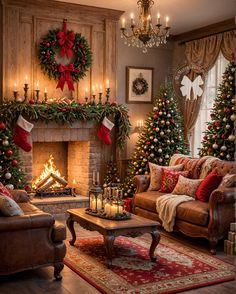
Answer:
(120, 209)
(99, 204)
(113, 210)
(107, 209)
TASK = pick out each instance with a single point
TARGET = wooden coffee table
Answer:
(110, 229)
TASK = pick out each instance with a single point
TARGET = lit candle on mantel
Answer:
(100, 89)
(108, 84)
(26, 80)
(37, 86)
(15, 87)
(167, 22)
(86, 92)
(93, 90)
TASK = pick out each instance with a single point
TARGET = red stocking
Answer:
(104, 131)
(22, 130)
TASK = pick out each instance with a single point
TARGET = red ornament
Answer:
(31, 101)
(223, 136)
(8, 152)
(224, 96)
(155, 116)
(63, 109)
(226, 110)
(212, 114)
(209, 127)
(27, 188)
(2, 126)
(148, 143)
(216, 123)
(14, 162)
(205, 137)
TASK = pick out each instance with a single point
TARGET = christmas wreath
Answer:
(64, 44)
(140, 85)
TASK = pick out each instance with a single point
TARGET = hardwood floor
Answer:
(41, 280)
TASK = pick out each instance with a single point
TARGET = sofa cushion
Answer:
(228, 181)
(195, 212)
(9, 207)
(209, 184)
(4, 191)
(186, 186)
(20, 195)
(147, 200)
(156, 173)
(170, 179)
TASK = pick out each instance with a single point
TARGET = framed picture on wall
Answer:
(139, 84)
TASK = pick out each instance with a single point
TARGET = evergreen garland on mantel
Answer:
(66, 113)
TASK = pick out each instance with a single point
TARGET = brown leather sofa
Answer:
(32, 240)
(210, 220)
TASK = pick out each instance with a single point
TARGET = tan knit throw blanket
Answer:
(166, 206)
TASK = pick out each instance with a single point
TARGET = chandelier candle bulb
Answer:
(132, 19)
(123, 23)
(167, 22)
(158, 18)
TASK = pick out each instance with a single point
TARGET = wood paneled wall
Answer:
(25, 22)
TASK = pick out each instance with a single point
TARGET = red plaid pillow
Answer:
(4, 191)
(170, 179)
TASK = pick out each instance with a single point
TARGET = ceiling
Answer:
(185, 15)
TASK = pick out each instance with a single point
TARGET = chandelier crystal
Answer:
(144, 34)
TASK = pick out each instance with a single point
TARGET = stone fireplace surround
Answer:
(86, 153)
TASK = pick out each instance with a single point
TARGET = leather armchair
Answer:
(32, 240)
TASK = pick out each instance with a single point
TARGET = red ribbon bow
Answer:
(66, 76)
(66, 41)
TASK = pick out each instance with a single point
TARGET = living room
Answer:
(109, 110)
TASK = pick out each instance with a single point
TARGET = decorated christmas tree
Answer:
(11, 175)
(219, 138)
(161, 137)
(111, 175)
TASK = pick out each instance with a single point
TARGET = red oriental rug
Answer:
(178, 267)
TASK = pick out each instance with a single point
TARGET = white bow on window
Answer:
(187, 85)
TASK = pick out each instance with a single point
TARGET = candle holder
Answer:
(108, 90)
(15, 94)
(45, 97)
(26, 88)
(95, 198)
(100, 98)
(37, 95)
(93, 101)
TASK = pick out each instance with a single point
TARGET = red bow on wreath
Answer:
(66, 41)
(65, 72)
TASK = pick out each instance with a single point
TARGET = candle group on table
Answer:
(111, 209)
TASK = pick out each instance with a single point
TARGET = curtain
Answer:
(202, 54)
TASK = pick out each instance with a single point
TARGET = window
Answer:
(212, 81)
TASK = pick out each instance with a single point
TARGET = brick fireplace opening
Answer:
(76, 149)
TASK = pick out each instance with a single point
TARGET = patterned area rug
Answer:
(178, 267)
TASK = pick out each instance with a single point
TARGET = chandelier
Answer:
(144, 34)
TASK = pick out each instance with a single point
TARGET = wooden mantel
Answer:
(25, 22)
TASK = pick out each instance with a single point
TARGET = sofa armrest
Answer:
(26, 222)
(20, 196)
(141, 182)
(221, 211)
(222, 196)
(58, 232)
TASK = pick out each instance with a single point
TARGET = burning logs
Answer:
(51, 181)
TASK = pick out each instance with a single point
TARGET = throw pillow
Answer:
(209, 184)
(228, 181)
(9, 207)
(186, 186)
(170, 179)
(4, 191)
(156, 173)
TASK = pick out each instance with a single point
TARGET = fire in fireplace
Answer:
(50, 182)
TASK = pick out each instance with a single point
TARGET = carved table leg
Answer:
(70, 225)
(57, 270)
(155, 240)
(108, 242)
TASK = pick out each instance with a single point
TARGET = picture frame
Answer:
(139, 84)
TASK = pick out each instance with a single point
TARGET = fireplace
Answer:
(76, 149)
